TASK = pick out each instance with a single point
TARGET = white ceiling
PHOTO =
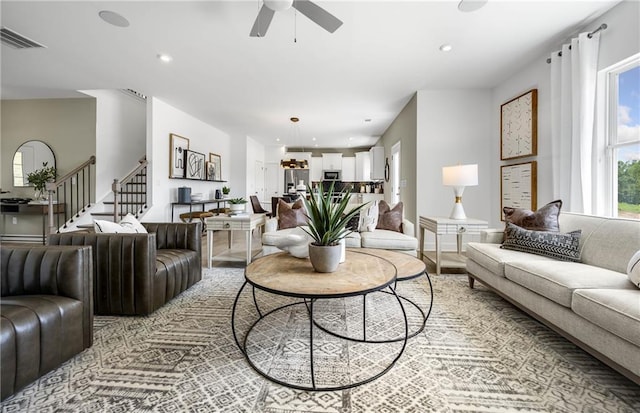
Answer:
(368, 69)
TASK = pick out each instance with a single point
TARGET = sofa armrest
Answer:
(177, 235)
(492, 236)
(408, 228)
(271, 225)
(59, 270)
(123, 270)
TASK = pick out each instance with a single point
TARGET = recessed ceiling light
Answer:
(471, 5)
(165, 57)
(350, 139)
(113, 18)
(313, 139)
(277, 139)
(316, 145)
(446, 48)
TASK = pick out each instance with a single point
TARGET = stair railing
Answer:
(78, 199)
(130, 193)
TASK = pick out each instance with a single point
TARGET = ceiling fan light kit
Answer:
(468, 6)
(278, 5)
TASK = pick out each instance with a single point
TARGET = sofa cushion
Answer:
(291, 215)
(565, 247)
(353, 240)
(493, 258)
(633, 269)
(388, 240)
(557, 280)
(617, 311)
(612, 244)
(544, 219)
(389, 218)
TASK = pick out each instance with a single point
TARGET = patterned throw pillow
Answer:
(368, 218)
(633, 269)
(564, 247)
(352, 225)
(390, 218)
(291, 215)
(128, 225)
(544, 219)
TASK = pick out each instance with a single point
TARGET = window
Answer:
(624, 137)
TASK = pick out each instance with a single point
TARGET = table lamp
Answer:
(459, 176)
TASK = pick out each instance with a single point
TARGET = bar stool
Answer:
(190, 216)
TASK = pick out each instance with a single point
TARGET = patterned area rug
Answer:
(477, 353)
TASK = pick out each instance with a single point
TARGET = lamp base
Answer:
(458, 211)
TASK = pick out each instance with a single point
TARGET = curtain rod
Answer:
(603, 26)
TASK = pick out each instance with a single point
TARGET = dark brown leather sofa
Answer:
(135, 274)
(46, 311)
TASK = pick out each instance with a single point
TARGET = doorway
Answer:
(395, 173)
(258, 180)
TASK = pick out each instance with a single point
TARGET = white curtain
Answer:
(573, 93)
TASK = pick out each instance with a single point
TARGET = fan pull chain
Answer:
(295, 25)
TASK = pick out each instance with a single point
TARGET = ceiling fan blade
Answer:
(262, 22)
(318, 15)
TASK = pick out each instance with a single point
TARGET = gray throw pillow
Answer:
(564, 247)
(544, 219)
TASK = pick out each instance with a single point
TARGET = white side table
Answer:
(448, 226)
(245, 223)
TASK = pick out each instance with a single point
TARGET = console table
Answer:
(447, 226)
(33, 208)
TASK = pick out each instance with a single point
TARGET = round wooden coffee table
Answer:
(285, 275)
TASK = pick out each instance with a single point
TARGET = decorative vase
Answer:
(237, 207)
(40, 195)
(325, 258)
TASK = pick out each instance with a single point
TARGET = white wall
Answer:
(120, 136)
(255, 152)
(453, 127)
(620, 40)
(162, 120)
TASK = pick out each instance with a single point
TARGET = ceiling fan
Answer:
(314, 12)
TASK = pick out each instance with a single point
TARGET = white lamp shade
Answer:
(460, 175)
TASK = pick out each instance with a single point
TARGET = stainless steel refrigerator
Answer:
(292, 178)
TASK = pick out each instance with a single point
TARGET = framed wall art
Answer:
(518, 186)
(216, 161)
(177, 147)
(194, 165)
(519, 126)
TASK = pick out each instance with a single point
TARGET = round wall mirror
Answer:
(28, 158)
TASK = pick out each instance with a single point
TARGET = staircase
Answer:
(129, 196)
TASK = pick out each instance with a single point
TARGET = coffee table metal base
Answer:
(309, 303)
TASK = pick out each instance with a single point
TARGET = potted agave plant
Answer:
(327, 226)
(237, 205)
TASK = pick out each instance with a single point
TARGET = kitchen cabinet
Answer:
(298, 156)
(377, 163)
(316, 169)
(348, 169)
(363, 167)
(331, 161)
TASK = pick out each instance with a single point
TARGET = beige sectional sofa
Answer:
(592, 303)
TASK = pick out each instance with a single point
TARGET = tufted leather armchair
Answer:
(135, 274)
(46, 311)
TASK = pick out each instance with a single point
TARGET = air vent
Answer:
(135, 94)
(17, 41)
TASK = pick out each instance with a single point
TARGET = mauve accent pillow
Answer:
(388, 218)
(544, 219)
(291, 215)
